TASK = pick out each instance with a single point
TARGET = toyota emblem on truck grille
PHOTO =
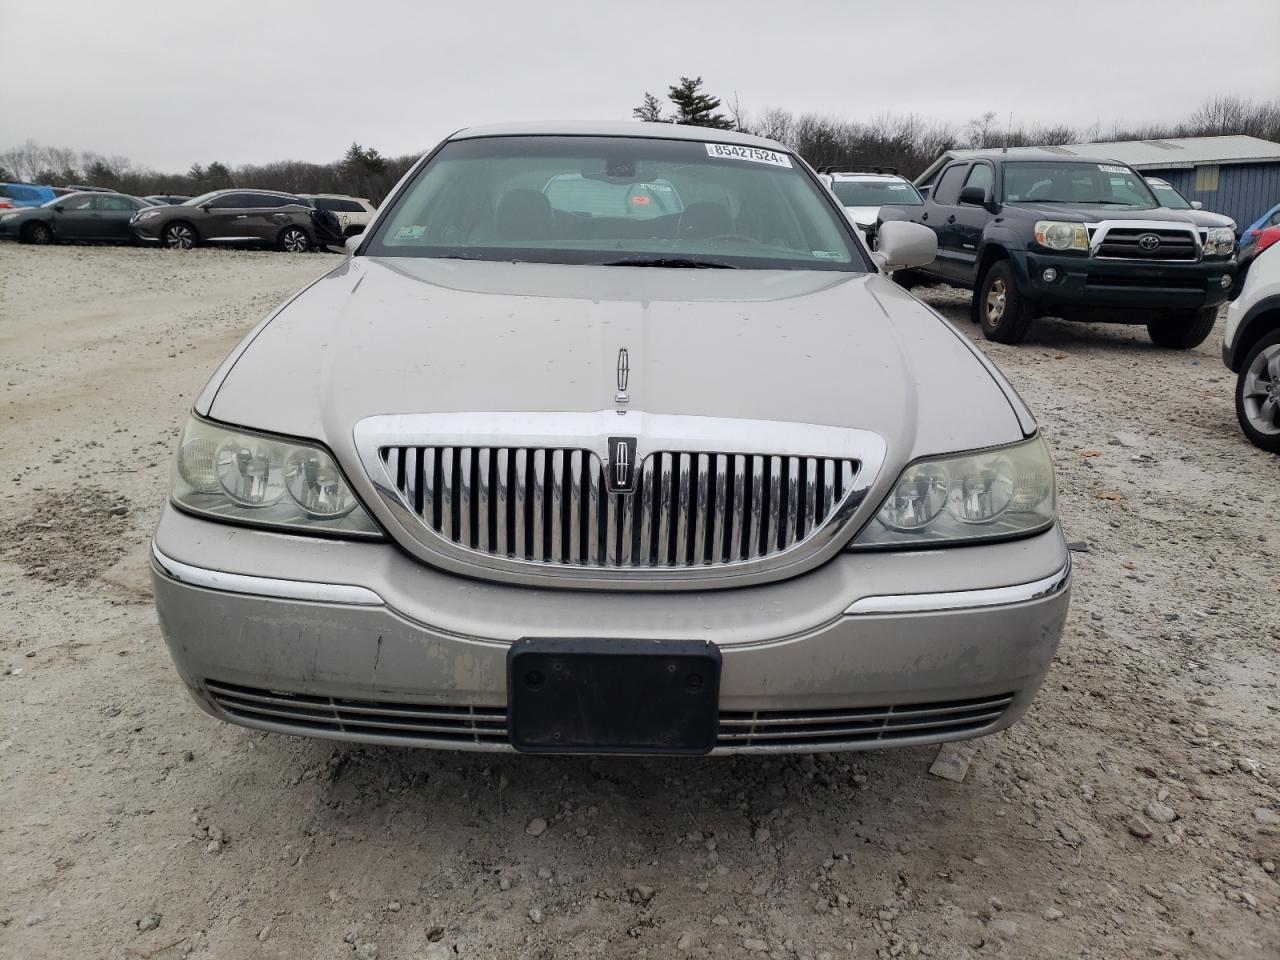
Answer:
(620, 476)
(1148, 241)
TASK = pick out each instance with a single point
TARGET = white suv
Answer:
(862, 193)
(353, 213)
(1251, 349)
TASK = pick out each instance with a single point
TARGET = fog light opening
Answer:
(1224, 281)
(1050, 274)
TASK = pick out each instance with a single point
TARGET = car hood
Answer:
(862, 216)
(1093, 212)
(1203, 218)
(399, 335)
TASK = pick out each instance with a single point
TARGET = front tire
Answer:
(1258, 394)
(1005, 314)
(179, 236)
(294, 240)
(38, 233)
(1182, 331)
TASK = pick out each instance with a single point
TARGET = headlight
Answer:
(9, 216)
(252, 478)
(986, 495)
(146, 214)
(1057, 235)
(1220, 242)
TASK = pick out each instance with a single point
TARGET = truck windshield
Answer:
(1049, 181)
(625, 201)
(875, 193)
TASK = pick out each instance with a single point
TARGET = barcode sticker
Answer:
(731, 151)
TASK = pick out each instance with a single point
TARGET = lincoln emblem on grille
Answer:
(624, 375)
(621, 474)
(1148, 241)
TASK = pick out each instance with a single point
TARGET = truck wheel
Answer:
(1005, 314)
(1258, 393)
(1184, 330)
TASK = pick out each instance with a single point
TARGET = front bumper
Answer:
(1093, 282)
(369, 645)
(147, 230)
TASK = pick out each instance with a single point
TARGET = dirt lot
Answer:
(1135, 812)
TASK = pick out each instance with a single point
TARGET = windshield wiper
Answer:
(685, 263)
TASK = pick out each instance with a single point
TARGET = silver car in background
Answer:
(612, 439)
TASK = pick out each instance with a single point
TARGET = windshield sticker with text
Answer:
(729, 151)
(1111, 168)
(410, 233)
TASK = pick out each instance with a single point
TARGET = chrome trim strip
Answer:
(264, 586)
(1101, 228)
(962, 599)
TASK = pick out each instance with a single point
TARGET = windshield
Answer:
(1049, 181)
(617, 201)
(875, 193)
(203, 198)
(1168, 196)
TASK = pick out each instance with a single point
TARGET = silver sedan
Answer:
(612, 439)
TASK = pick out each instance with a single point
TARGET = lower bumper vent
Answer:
(833, 729)
(361, 719)
(467, 727)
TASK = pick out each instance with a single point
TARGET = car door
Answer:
(274, 212)
(226, 217)
(970, 220)
(74, 216)
(113, 218)
(940, 215)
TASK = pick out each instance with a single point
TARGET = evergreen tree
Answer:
(695, 108)
(650, 109)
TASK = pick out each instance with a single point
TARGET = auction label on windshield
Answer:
(731, 151)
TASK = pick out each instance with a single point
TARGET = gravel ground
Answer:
(1135, 811)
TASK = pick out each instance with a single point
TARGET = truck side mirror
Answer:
(975, 196)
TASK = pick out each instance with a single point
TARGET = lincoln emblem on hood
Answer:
(624, 375)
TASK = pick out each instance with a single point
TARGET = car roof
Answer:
(619, 128)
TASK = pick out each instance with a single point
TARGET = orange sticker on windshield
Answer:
(639, 201)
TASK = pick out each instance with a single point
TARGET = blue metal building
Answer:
(1235, 176)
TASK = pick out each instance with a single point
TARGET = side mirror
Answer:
(975, 196)
(900, 245)
(353, 241)
(1197, 205)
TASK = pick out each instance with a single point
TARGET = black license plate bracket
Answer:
(574, 695)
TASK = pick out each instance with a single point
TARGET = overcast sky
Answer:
(172, 82)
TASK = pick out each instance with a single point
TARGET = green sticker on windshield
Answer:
(410, 233)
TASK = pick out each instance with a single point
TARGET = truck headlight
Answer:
(1220, 242)
(241, 476)
(990, 494)
(1057, 235)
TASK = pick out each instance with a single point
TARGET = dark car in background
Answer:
(166, 198)
(1077, 238)
(74, 216)
(279, 220)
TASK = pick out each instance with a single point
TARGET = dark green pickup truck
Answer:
(1074, 238)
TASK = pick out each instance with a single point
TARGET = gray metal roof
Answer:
(619, 128)
(1172, 153)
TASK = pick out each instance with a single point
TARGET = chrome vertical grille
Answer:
(551, 505)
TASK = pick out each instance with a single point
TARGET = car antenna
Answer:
(1008, 132)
